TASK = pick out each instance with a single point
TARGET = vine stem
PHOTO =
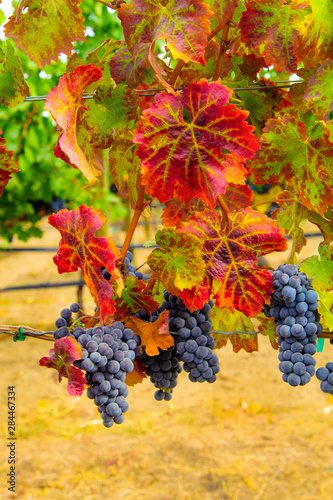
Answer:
(106, 3)
(19, 8)
(181, 63)
(136, 216)
(151, 283)
(224, 208)
(223, 48)
(286, 200)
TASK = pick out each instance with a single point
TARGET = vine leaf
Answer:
(130, 68)
(267, 327)
(231, 256)
(316, 36)
(13, 88)
(185, 157)
(321, 269)
(175, 211)
(124, 167)
(133, 299)
(184, 26)
(79, 248)
(325, 307)
(303, 156)
(46, 29)
(226, 321)
(274, 26)
(137, 375)
(319, 92)
(178, 261)
(65, 351)
(153, 335)
(64, 102)
(8, 165)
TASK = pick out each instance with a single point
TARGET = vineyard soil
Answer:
(249, 436)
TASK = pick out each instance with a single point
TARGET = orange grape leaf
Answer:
(65, 351)
(301, 154)
(8, 165)
(178, 261)
(184, 26)
(133, 299)
(237, 197)
(79, 248)
(47, 28)
(153, 335)
(175, 211)
(231, 256)
(64, 102)
(223, 320)
(137, 375)
(183, 142)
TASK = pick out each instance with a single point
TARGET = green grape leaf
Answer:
(325, 307)
(303, 156)
(182, 143)
(321, 269)
(273, 26)
(223, 320)
(13, 88)
(316, 34)
(319, 91)
(46, 29)
(8, 165)
(178, 261)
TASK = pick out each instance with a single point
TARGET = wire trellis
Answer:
(152, 92)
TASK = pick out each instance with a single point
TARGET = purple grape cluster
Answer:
(107, 356)
(293, 306)
(325, 374)
(127, 269)
(193, 340)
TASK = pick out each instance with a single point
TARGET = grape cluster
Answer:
(294, 308)
(127, 269)
(193, 341)
(107, 356)
(65, 321)
(163, 368)
(325, 374)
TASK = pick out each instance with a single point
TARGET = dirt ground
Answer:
(249, 436)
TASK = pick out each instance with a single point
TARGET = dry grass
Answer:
(249, 436)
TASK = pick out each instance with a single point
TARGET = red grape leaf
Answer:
(175, 211)
(231, 256)
(319, 91)
(130, 68)
(65, 351)
(8, 165)
(133, 299)
(273, 25)
(303, 156)
(184, 26)
(153, 335)
(46, 29)
(178, 261)
(137, 375)
(64, 102)
(223, 10)
(223, 320)
(196, 297)
(237, 197)
(13, 88)
(79, 248)
(185, 158)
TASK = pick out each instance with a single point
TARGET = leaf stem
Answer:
(287, 200)
(136, 216)
(112, 5)
(223, 206)
(151, 283)
(223, 47)
(19, 9)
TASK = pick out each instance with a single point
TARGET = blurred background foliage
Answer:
(45, 183)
